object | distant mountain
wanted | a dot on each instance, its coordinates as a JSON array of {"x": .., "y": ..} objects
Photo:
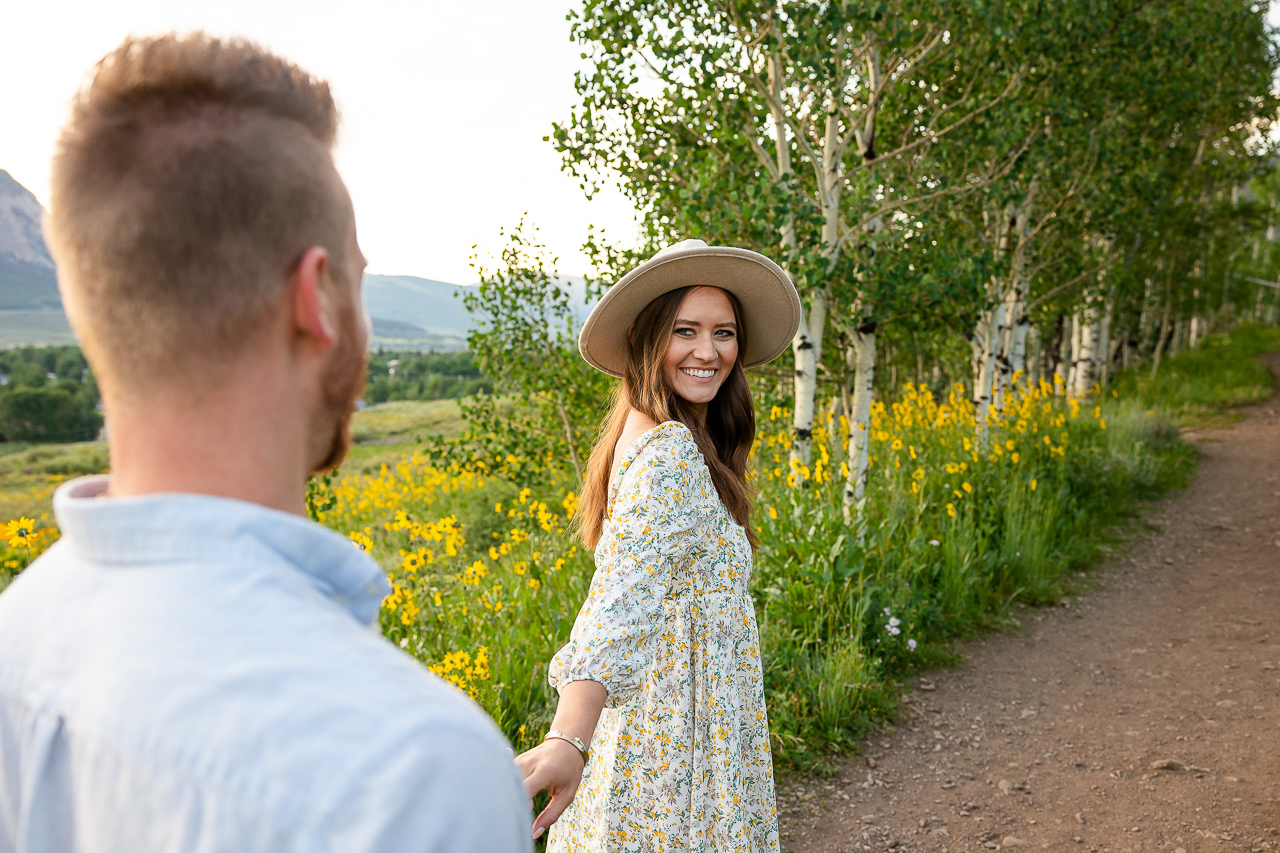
[
  {"x": 27, "y": 279},
  {"x": 435, "y": 307},
  {"x": 407, "y": 312},
  {"x": 432, "y": 306}
]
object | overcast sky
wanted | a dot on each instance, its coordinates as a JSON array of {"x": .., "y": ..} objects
[
  {"x": 445, "y": 106},
  {"x": 444, "y": 109}
]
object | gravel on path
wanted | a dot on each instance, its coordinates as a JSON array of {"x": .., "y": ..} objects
[{"x": 1142, "y": 715}]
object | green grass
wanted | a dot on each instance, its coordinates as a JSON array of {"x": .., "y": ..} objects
[
  {"x": 382, "y": 435},
  {"x": 1196, "y": 387},
  {"x": 30, "y": 472},
  {"x": 40, "y": 326}
]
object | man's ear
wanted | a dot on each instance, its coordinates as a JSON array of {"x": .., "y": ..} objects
[{"x": 312, "y": 307}]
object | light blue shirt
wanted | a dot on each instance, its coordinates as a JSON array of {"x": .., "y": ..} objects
[{"x": 191, "y": 673}]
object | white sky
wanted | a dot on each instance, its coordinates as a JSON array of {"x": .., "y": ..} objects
[{"x": 444, "y": 109}]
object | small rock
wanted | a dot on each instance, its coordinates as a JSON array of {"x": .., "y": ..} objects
[
  {"x": 1268, "y": 665},
  {"x": 871, "y": 762},
  {"x": 1012, "y": 841},
  {"x": 991, "y": 845},
  {"x": 1169, "y": 560},
  {"x": 1226, "y": 703},
  {"x": 1005, "y": 786},
  {"x": 1080, "y": 818},
  {"x": 1176, "y": 766},
  {"x": 1079, "y": 840},
  {"x": 926, "y": 684},
  {"x": 1027, "y": 712}
]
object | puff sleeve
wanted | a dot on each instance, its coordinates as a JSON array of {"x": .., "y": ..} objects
[{"x": 645, "y": 540}]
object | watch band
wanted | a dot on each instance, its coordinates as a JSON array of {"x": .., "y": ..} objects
[{"x": 576, "y": 743}]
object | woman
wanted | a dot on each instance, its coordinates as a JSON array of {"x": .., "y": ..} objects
[{"x": 661, "y": 683}]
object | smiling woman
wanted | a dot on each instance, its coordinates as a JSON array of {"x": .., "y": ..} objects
[{"x": 661, "y": 730}]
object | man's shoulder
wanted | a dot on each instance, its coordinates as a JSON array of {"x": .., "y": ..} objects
[
  {"x": 249, "y": 669},
  {"x": 269, "y": 697}
]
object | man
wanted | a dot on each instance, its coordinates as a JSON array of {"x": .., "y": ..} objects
[{"x": 192, "y": 667}]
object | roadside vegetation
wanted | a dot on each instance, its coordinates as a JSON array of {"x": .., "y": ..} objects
[
  {"x": 47, "y": 394},
  {"x": 412, "y": 375}
]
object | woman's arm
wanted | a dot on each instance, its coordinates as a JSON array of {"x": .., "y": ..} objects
[{"x": 556, "y": 765}]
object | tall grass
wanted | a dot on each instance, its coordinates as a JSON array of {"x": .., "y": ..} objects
[{"x": 1222, "y": 371}]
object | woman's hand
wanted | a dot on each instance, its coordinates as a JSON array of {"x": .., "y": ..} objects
[
  {"x": 551, "y": 765},
  {"x": 556, "y": 765}
]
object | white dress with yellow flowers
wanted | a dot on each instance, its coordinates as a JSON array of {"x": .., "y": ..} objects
[{"x": 680, "y": 759}]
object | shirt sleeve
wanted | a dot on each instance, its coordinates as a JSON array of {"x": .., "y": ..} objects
[
  {"x": 612, "y": 638},
  {"x": 455, "y": 790}
]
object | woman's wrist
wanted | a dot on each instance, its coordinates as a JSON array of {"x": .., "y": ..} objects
[
  {"x": 577, "y": 744},
  {"x": 578, "y": 711}
]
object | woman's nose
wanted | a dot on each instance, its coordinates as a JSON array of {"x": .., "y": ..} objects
[{"x": 706, "y": 349}]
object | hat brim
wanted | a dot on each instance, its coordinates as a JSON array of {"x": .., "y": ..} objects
[{"x": 770, "y": 304}]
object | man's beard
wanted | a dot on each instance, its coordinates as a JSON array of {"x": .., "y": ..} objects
[{"x": 341, "y": 385}]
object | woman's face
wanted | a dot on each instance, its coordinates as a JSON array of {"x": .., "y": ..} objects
[{"x": 704, "y": 345}]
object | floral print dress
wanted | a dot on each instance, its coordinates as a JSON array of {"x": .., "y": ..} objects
[{"x": 680, "y": 758}]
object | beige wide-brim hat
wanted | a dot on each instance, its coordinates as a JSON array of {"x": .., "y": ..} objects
[{"x": 770, "y": 304}]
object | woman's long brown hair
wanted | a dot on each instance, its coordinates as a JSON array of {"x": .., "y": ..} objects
[{"x": 724, "y": 436}]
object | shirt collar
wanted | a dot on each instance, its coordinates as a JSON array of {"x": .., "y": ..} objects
[{"x": 170, "y": 527}]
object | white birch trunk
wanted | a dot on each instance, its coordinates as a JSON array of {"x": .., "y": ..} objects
[
  {"x": 1146, "y": 317},
  {"x": 1194, "y": 342},
  {"x": 1034, "y": 348},
  {"x": 807, "y": 350},
  {"x": 1086, "y": 360},
  {"x": 1019, "y": 334},
  {"x": 985, "y": 367},
  {"x": 1086, "y": 356},
  {"x": 1011, "y": 340},
  {"x": 864, "y": 371},
  {"x": 1102, "y": 353},
  {"x": 1179, "y": 333},
  {"x": 1004, "y": 349},
  {"x": 1073, "y": 360}
]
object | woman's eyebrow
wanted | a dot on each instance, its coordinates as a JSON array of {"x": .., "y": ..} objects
[{"x": 729, "y": 325}]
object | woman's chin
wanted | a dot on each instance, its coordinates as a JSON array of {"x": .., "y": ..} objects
[{"x": 698, "y": 395}]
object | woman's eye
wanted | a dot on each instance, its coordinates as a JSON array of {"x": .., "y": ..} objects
[
  {"x": 726, "y": 334},
  {"x": 685, "y": 332}
]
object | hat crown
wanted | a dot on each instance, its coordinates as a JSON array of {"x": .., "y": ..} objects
[{"x": 692, "y": 243}]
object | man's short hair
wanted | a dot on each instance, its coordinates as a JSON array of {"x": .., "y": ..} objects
[{"x": 191, "y": 178}]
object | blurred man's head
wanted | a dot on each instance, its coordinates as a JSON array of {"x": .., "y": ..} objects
[{"x": 194, "y": 178}]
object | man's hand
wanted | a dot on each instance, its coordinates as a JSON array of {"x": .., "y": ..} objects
[{"x": 551, "y": 765}]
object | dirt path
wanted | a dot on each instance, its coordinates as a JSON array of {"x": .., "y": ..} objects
[{"x": 1047, "y": 738}]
